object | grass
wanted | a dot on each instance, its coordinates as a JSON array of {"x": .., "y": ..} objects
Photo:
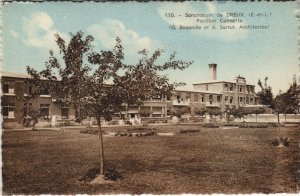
[{"x": 210, "y": 161}]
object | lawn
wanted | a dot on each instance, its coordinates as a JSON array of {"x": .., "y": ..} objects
[{"x": 209, "y": 161}]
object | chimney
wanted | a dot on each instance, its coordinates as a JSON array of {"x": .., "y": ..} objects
[{"x": 212, "y": 71}]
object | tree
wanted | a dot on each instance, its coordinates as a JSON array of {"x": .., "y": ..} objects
[
  {"x": 288, "y": 102},
  {"x": 235, "y": 112},
  {"x": 266, "y": 94},
  {"x": 34, "y": 115},
  {"x": 201, "y": 112},
  {"x": 110, "y": 86},
  {"x": 292, "y": 98},
  {"x": 214, "y": 112},
  {"x": 179, "y": 112},
  {"x": 66, "y": 82},
  {"x": 131, "y": 86}
]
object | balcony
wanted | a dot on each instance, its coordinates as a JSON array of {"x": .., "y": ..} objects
[
  {"x": 212, "y": 104},
  {"x": 181, "y": 103}
]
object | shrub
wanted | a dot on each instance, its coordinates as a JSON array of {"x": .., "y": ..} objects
[
  {"x": 280, "y": 141},
  {"x": 90, "y": 175},
  {"x": 112, "y": 174},
  {"x": 189, "y": 131},
  {"x": 230, "y": 124},
  {"x": 140, "y": 131},
  {"x": 260, "y": 125},
  {"x": 90, "y": 130},
  {"x": 151, "y": 121},
  {"x": 211, "y": 125}
]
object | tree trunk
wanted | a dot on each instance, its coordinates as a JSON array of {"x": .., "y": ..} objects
[
  {"x": 285, "y": 117},
  {"x": 33, "y": 125},
  {"x": 278, "y": 124},
  {"x": 101, "y": 147}
]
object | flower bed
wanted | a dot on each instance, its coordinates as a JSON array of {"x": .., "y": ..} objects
[
  {"x": 211, "y": 125},
  {"x": 260, "y": 125},
  {"x": 183, "y": 131},
  {"x": 138, "y": 132}
]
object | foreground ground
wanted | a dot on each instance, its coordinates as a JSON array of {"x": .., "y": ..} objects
[{"x": 209, "y": 161}]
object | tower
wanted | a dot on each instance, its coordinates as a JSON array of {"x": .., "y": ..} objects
[
  {"x": 298, "y": 77},
  {"x": 212, "y": 71}
]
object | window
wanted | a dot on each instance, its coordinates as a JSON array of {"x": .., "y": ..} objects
[
  {"x": 241, "y": 99},
  {"x": 226, "y": 99},
  {"x": 8, "y": 87},
  {"x": 210, "y": 99},
  {"x": 231, "y": 100},
  {"x": 251, "y": 100},
  {"x": 218, "y": 98},
  {"x": 195, "y": 97},
  {"x": 64, "y": 111},
  {"x": 202, "y": 99},
  {"x": 29, "y": 89},
  {"x": 207, "y": 87},
  {"x": 44, "y": 108},
  {"x": 226, "y": 87},
  {"x": 230, "y": 88},
  {"x": 44, "y": 92},
  {"x": 169, "y": 112},
  {"x": 241, "y": 89},
  {"x": 26, "y": 108},
  {"x": 168, "y": 97},
  {"x": 178, "y": 98},
  {"x": 188, "y": 97},
  {"x": 156, "y": 115},
  {"x": 8, "y": 110},
  {"x": 156, "y": 98}
]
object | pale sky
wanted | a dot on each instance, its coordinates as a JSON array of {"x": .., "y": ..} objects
[{"x": 28, "y": 30}]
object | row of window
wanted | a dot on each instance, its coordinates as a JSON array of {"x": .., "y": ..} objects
[
  {"x": 240, "y": 99},
  {"x": 197, "y": 98},
  {"x": 8, "y": 87},
  {"x": 8, "y": 110},
  {"x": 242, "y": 89}
]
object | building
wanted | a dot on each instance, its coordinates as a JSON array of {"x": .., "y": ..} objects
[
  {"x": 232, "y": 93},
  {"x": 216, "y": 94},
  {"x": 211, "y": 94},
  {"x": 14, "y": 107}
]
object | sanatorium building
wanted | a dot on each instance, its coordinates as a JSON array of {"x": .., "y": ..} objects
[{"x": 214, "y": 93}]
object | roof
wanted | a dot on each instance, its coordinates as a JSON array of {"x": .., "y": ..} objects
[
  {"x": 219, "y": 81},
  {"x": 13, "y": 75}
]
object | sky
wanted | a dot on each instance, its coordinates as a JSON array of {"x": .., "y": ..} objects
[{"x": 29, "y": 28}]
